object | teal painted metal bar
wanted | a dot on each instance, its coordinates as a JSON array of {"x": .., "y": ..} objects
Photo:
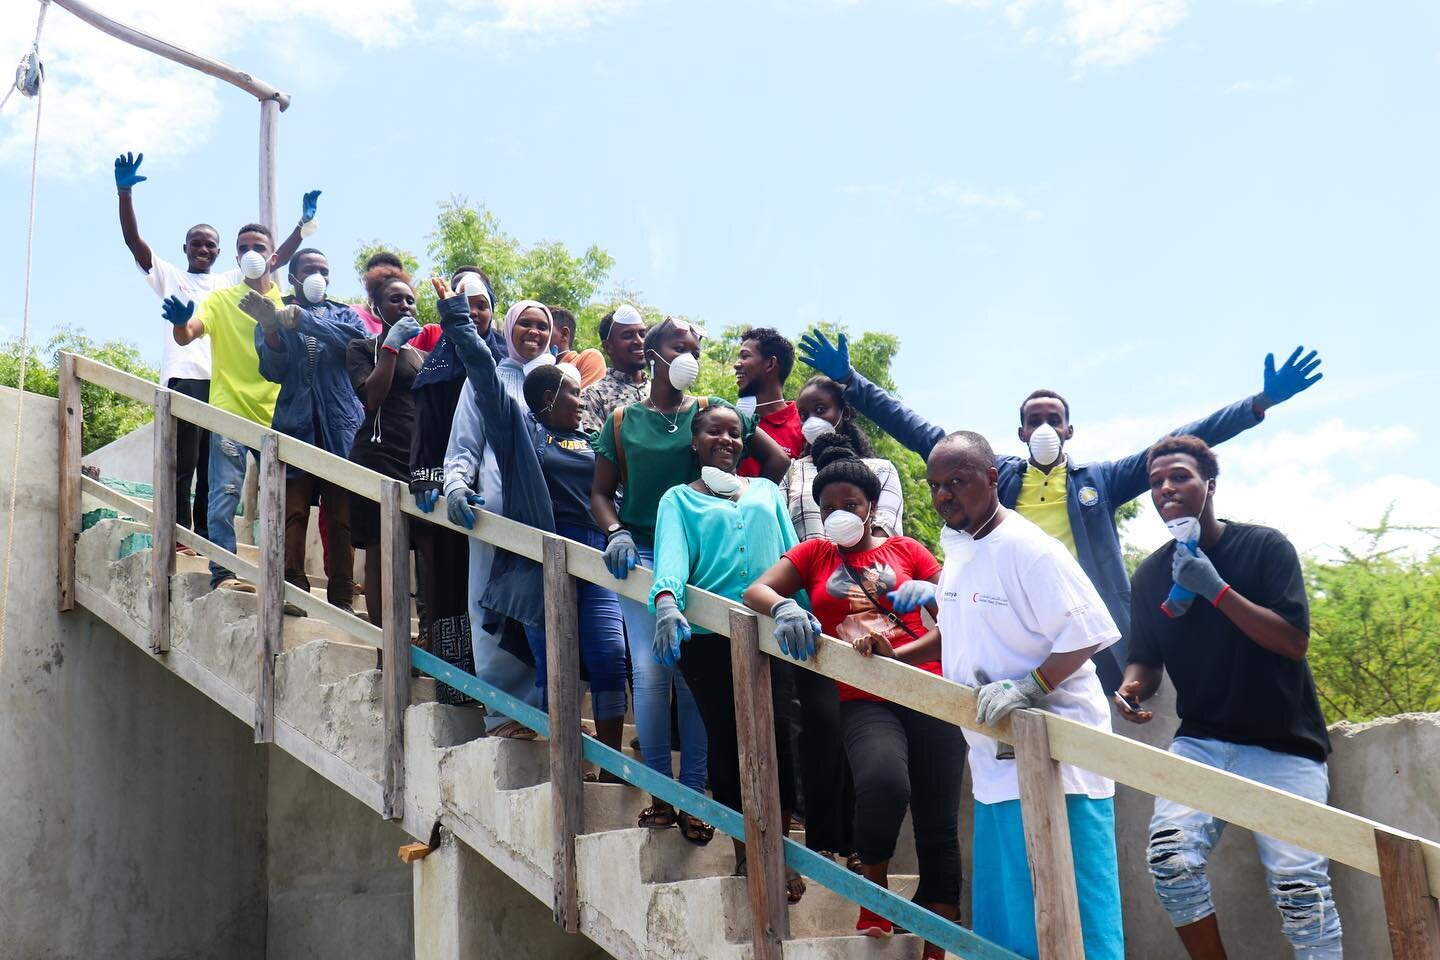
[{"x": 913, "y": 917}]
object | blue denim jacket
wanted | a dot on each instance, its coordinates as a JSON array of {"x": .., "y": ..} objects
[
  {"x": 1093, "y": 491},
  {"x": 315, "y": 387},
  {"x": 516, "y": 588}
]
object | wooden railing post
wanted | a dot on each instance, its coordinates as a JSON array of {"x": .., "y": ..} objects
[
  {"x": 68, "y": 483},
  {"x": 562, "y": 679},
  {"x": 759, "y": 787},
  {"x": 395, "y": 620},
  {"x": 1411, "y": 914},
  {"x": 1047, "y": 840},
  {"x": 270, "y": 617},
  {"x": 162, "y": 522}
]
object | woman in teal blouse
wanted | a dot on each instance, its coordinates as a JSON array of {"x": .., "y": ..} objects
[{"x": 719, "y": 534}]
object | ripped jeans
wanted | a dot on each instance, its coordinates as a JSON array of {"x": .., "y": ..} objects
[
  {"x": 1299, "y": 881},
  {"x": 227, "y": 480}
]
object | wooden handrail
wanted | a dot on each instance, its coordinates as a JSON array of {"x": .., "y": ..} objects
[{"x": 1337, "y": 834}]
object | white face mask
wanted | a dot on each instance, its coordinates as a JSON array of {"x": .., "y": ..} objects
[
  {"x": 816, "y": 427},
  {"x": 1187, "y": 529},
  {"x": 720, "y": 481},
  {"x": 747, "y": 405},
  {"x": 252, "y": 265},
  {"x": 314, "y": 287},
  {"x": 1045, "y": 445},
  {"x": 308, "y": 228},
  {"x": 958, "y": 545},
  {"x": 684, "y": 371},
  {"x": 844, "y": 528}
]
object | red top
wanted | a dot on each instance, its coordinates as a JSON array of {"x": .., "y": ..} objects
[
  {"x": 427, "y": 337},
  {"x": 783, "y": 426},
  {"x": 834, "y": 595}
]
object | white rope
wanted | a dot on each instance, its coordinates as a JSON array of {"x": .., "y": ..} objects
[{"x": 24, "y": 342}]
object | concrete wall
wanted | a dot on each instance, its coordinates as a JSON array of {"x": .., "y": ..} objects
[
  {"x": 139, "y": 819},
  {"x": 133, "y": 808}
]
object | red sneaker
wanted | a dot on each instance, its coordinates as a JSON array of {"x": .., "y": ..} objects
[{"x": 873, "y": 925}]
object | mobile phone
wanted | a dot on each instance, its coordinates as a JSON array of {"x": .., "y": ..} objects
[{"x": 1129, "y": 704}]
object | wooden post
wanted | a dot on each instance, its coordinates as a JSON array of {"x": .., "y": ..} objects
[
  {"x": 162, "y": 523},
  {"x": 269, "y": 197},
  {"x": 68, "y": 483},
  {"x": 1047, "y": 840},
  {"x": 562, "y": 677},
  {"x": 759, "y": 787},
  {"x": 1411, "y": 914},
  {"x": 395, "y": 620},
  {"x": 270, "y": 617}
]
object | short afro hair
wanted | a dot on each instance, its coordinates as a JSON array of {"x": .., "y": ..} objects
[
  {"x": 1192, "y": 447},
  {"x": 379, "y": 277},
  {"x": 1038, "y": 394},
  {"x": 773, "y": 346},
  {"x": 539, "y": 382},
  {"x": 259, "y": 228},
  {"x": 383, "y": 258},
  {"x": 562, "y": 318}
]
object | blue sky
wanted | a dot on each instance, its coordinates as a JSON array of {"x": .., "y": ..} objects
[{"x": 1130, "y": 201}]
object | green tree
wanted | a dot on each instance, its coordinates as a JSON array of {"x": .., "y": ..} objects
[
  {"x": 1375, "y": 630},
  {"x": 107, "y": 416}
]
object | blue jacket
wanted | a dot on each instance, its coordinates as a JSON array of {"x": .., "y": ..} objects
[
  {"x": 315, "y": 387},
  {"x": 517, "y": 587},
  {"x": 1093, "y": 492}
]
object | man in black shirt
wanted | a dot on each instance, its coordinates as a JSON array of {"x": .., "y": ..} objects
[{"x": 1244, "y": 694}]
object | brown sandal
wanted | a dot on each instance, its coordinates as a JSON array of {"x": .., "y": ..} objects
[
  {"x": 658, "y": 816},
  {"x": 694, "y": 829}
]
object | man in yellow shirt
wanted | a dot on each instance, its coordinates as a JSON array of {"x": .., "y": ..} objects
[{"x": 236, "y": 385}]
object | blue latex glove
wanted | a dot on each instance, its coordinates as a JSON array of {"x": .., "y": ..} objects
[
  {"x": 796, "y": 629},
  {"x": 176, "y": 312},
  {"x": 1193, "y": 570},
  {"x": 1290, "y": 379},
  {"x": 911, "y": 596},
  {"x": 127, "y": 171},
  {"x": 833, "y": 360},
  {"x": 426, "y": 495},
  {"x": 671, "y": 630},
  {"x": 621, "y": 556},
  {"x": 1177, "y": 601},
  {"x": 458, "y": 504},
  {"x": 402, "y": 332},
  {"x": 307, "y": 206},
  {"x": 995, "y": 701}
]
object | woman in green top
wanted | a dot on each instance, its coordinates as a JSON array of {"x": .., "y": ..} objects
[
  {"x": 719, "y": 533},
  {"x": 656, "y": 433}
]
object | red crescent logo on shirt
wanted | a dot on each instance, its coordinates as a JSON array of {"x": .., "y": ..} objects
[{"x": 975, "y": 597}]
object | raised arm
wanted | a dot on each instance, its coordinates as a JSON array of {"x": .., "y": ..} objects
[
  {"x": 375, "y": 386},
  {"x": 287, "y": 248},
  {"x": 184, "y": 324},
  {"x": 1129, "y": 478},
  {"x": 496, "y": 405},
  {"x": 890, "y": 505},
  {"x": 127, "y": 174},
  {"x": 892, "y": 416},
  {"x": 773, "y": 460}
]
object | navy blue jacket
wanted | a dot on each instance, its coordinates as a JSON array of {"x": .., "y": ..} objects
[
  {"x": 1093, "y": 491},
  {"x": 315, "y": 386},
  {"x": 517, "y": 587}
]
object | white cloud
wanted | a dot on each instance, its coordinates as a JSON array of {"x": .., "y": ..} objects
[
  {"x": 1293, "y": 480},
  {"x": 949, "y": 197},
  {"x": 1104, "y": 33},
  {"x": 103, "y": 95},
  {"x": 1256, "y": 86}
]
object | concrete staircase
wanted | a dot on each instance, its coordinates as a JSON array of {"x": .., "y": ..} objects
[{"x": 643, "y": 893}]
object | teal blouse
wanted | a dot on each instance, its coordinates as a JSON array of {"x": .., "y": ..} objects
[{"x": 716, "y": 544}]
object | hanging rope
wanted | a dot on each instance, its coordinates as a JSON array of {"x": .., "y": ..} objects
[{"x": 29, "y": 77}]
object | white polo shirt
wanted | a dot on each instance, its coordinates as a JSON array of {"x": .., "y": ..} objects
[{"x": 1020, "y": 599}]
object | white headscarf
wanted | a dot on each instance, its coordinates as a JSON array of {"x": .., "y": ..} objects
[{"x": 512, "y": 316}]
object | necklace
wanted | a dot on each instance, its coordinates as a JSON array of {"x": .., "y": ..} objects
[{"x": 673, "y": 421}]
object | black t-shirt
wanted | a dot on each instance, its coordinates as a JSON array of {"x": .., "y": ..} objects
[
  {"x": 384, "y": 446},
  {"x": 1227, "y": 686}
]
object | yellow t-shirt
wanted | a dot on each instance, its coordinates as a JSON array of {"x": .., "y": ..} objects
[
  {"x": 236, "y": 385},
  {"x": 1043, "y": 501}
]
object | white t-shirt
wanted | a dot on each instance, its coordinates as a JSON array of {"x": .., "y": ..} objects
[
  {"x": 1020, "y": 599},
  {"x": 192, "y": 361}
]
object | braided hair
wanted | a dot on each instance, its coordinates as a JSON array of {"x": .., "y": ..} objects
[{"x": 836, "y": 462}]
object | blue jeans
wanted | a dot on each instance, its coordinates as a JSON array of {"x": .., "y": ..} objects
[
  {"x": 652, "y": 680},
  {"x": 227, "y": 480},
  {"x": 1181, "y": 840},
  {"x": 602, "y": 637}
]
